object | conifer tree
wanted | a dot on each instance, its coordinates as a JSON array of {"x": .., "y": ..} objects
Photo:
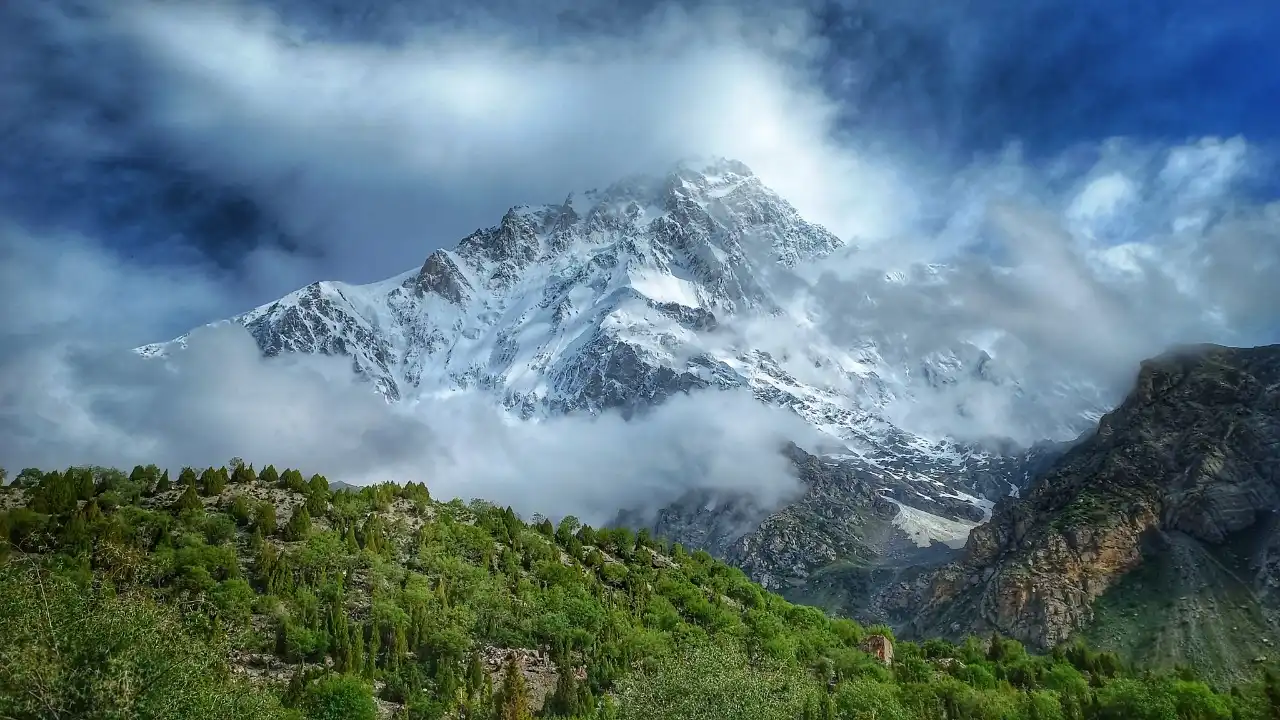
[
  {"x": 75, "y": 533},
  {"x": 242, "y": 474},
  {"x": 188, "y": 500},
  {"x": 318, "y": 485},
  {"x": 587, "y": 700},
  {"x": 299, "y": 524},
  {"x": 475, "y": 673},
  {"x": 211, "y": 482},
  {"x": 297, "y": 682},
  {"x": 371, "y": 534},
  {"x": 292, "y": 480},
  {"x": 187, "y": 477},
  {"x": 513, "y": 698},
  {"x": 264, "y": 519},
  {"x": 826, "y": 707},
  {"x": 484, "y": 707},
  {"x": 84, "y": 482},
  {"x": 568, "y": 526},
  {"x": 346, "y": 655},
  {"x": 564, "y": 700},
  {"x": 270, "y": 570},
  {"x": 240, "y": 510},
  {"x": 269, "y": 475},
  {"x": 371, "y": 653},
  {"x": 446, "y": 678},
  {"x": 162, "y": 485},
  {"x": 317, "y": 500},
  {"x": 356, "y": 643}
]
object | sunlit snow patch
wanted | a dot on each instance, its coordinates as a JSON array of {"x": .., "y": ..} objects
[
  {"x": 924, "y": 528},
  {"x": 664, "y": 288}
]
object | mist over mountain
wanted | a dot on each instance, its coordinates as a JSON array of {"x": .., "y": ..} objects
[{"x": 939, "y": 245}]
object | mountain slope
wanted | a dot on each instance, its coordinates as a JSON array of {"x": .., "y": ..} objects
[
  {"x": 387, "y": 603},
  {"x": 1164, "y": 514},
  {"x": 616, "y": 300}
]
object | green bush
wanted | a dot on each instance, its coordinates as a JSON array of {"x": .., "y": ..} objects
[
  {"x": 74, "y": 652},
  {"x": 339, "y": 697}
]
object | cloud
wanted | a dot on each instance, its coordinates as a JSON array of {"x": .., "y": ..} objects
[
  {"x": 1068, "y": 274},
  {"x": 69, "y": 396},
  {"x": 65, "y": 286},
  {"x": 368, "y": 156}
]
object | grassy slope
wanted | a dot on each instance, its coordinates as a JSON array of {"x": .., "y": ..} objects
[{"x": 1187, "y": 605}]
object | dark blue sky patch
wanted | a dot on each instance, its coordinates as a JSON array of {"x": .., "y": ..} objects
[{"x": 1052, "y": 73}]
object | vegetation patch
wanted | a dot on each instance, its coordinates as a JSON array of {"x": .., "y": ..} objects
[
  {"x": 229, "y": 592},
  {"x": 1186, "y": 607}
]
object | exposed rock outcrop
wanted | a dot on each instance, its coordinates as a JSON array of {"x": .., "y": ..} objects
[
  {"x": 440, "y": 275},
  {"x": 1193, "y": 451},
  {"x": 879, "y": 647}
]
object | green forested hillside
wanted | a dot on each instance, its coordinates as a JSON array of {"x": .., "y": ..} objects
[{"x": 235, "y": 593}]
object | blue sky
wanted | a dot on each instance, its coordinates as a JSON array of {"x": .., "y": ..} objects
[{"x": 1053, "y": 74}]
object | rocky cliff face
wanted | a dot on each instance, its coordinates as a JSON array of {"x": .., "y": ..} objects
[
  {"x": 853, "y": 514},
  {"x": 1191, "y": 458}
]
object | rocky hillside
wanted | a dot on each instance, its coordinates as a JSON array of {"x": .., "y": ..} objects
[
  {"x": 857, "y": 528},
  {"x": 1155, "y": 533}
]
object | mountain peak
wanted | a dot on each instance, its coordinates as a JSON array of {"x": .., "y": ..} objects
[
  {"x": 686, "y": 178},
  {"x": 714, "y": 167}
]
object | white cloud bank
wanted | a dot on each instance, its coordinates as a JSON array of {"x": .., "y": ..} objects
[
  {"x": 1069, "y": 275},
  {"x": 69, "y": 395}
]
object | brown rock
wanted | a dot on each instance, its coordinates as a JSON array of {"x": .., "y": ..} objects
[{"x": 1194, "y": 450}]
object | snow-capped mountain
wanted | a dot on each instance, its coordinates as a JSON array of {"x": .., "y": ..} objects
[
  {"x": 604, "y": 301},
  {"x": 620, "y": 298}
]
